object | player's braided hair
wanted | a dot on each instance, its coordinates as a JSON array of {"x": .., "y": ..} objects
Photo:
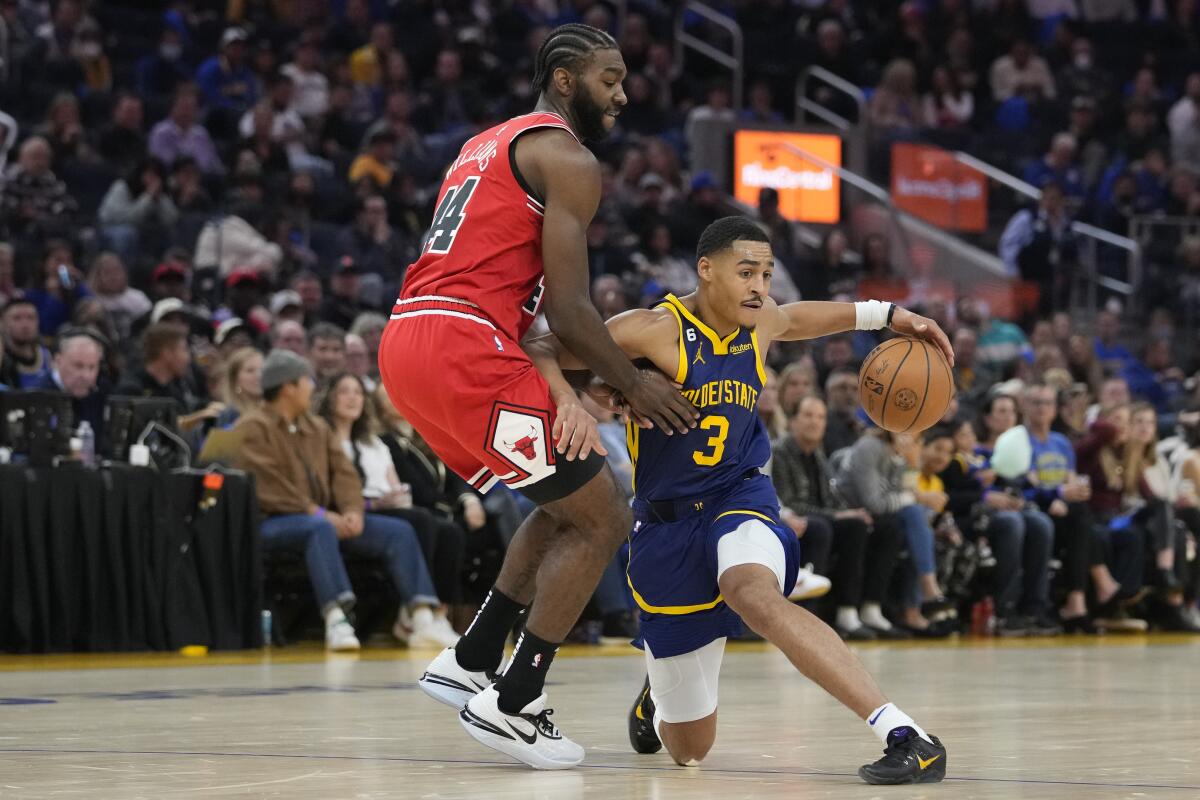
[{"x": 567, "y": 46}]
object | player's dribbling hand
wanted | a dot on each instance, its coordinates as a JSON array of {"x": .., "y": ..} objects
[
  {"x": 910, "y": 324},
  {"x": 576, "y": 433},
  {"x": 657, "y": 399}
]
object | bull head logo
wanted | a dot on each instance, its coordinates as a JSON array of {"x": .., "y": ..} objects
[{"x": 524, "y": 445}]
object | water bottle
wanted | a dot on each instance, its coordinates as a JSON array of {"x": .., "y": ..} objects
[
  {"x": 266, "y": 627},
  {"x": 87, "y": 442}
]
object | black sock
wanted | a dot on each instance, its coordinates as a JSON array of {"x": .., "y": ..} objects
[
  {"x": 481, "y": 648},
  {"x": 525, "y": 676}
]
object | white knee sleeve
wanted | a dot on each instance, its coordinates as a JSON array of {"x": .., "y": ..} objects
[
  {"x": 684, "y": 687},
  {"x": 752, "y": 542}
]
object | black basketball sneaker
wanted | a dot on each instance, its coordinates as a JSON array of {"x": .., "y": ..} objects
[
  {"x": 907, "y": 759},
  {"x": 642, "y": 737}
]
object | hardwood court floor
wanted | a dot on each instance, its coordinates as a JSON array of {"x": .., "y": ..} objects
[{"x": 1066, "y": 718}]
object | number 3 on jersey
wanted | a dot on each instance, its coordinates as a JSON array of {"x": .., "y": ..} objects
[
  {"x": 716, "y": 442},
  {"x": 450, "y": 215}
]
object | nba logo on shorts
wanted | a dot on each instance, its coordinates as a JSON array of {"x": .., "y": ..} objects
[{"x": 537, "y": 660}]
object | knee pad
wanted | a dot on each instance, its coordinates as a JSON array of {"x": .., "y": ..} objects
[
  {"x": 752, "y": 542},
  {"x": 684, "y": 687}
]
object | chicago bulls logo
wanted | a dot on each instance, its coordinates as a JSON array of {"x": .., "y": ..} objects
[{"x": 524, "y": 445}]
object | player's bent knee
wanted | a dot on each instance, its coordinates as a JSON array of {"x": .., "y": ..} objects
[{"x": 690, "y": 742}]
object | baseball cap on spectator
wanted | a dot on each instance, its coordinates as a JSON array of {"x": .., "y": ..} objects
[
  {"x": 229, "y": 327},
  {"x": 284, "y": 299},
  {"x": 169, "y": 270},
  {"x": 166, "y": 307},
  {"x": 703, "y": 180},
  {"x": 240, "y": 277},
  {"x": 283, "y": 366},
  {"x": 346, "y": 265},
  {"x": 381, "y": 136},
  {"x": 232, "y": 35}
]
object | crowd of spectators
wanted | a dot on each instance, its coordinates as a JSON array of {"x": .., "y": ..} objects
[{"x": 190, "y": 187}]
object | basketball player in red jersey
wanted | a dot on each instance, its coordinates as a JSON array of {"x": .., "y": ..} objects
[{"x": 509, "y": 233}]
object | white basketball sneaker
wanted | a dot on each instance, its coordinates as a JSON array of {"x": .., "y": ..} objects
[
  {"x": 529, "y": 736},
  {"x": 445, "y": 681},
  {"x": 809, "y": 585},
  {"x": 339, "y": 636}
]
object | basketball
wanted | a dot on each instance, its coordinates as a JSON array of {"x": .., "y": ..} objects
[{"x": 905, "y": 385}]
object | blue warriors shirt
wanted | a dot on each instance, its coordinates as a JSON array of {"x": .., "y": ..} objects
[{"x": 722, "y": 379}]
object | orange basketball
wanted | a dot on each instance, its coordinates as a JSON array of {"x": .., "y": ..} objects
[{"x": 905, "y": 385}]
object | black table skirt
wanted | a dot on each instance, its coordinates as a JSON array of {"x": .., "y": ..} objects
[{"x": 123, "y": 558}]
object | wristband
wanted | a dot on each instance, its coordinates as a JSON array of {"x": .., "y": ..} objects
[
  {"x": 871, "y": 315},
  {"x": 891, "y": 313}
]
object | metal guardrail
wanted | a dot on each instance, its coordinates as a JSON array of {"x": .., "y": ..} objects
[
  {"x": 731, "y": 61},
  {"x": 844, "y": 86},
  {"x": 1094, "y": 236},
  {"x": 906, "y": 222}
]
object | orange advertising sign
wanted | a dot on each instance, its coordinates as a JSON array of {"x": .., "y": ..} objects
[
  {"x": 929, "y": 183},
  {"x": 808, "y": 192}
]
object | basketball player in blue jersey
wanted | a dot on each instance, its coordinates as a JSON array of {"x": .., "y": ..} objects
[{"x": 707, "y": 550}]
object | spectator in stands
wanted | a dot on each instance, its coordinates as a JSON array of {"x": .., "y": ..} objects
[
  {"x": 312, "y": 499},
  {"x": 311, "y": 85},
  {"x": 947, "y": 106},
  {"x": 308, "y": 286},
  {"x": 327, "y": 349},
  {"x": 1021, "y": 73},
  {"x": 281, "y": 123},
  {"x": 860, "y": 574},
  {"x": 180, "y": 134},
  {"x": 1073, "y": 403},
  {"x": 1083, "y": 77},
  {"x": 288, "y": 334},
  {"x": 358, "y": 361},
  {"x": 367, "y": 63},
  {"x": 1021, "y": 538},
  {"x": 829, "y": 271},
  {"x": 1183, "y": 113},
  {"x": 78, "y": 356},
  {"x": 1112, "y": 354},
  {"x": 226, "y": 80},
  {"x": 286, "y": 304},
  {"x": 159, "y": 74},
  {"x": 343, "y": 303},
  {"x": 259, "y": 152},
  {"x": 998, "y": 414},
  {"x": 8, "y": 283},
  {"x": 874, "y": 477},
  {"x": 241, "y": 385},
  {"x": 376, "y": 163},
  {"x": 122, "y": 142},
  {"x": 971, "y": 378},
  {"x": 880, "y": 279},
  {"x": 409, "y": 150},
  {"x": 166, "y": 363},
  {"x": 1038, "y": 245},
  {"x": 1185, "y": 144},
  {"x": 702, "y": 207},
  {"x": 63, "y": 129},
  {"x": 187, "y": 188},
  {"x": 373, "y": 244},
  {"x": 369, "y": 325},
  {"x": 797, "y": 381},
  {"x": 768, "y": 407},
  {"x": 345, "y": 406},
  {"x": 895, "y": 107},
  {"x": 26, "y": 361},
  {"x": 716, "y": 108},
  {"x": 234, "y": 241},
  {"x": 137, "y": 211},
  {"x": 833, "y": 53},
  {"x": 56, "y": 286},
  {"x": 1058, "y": 166},
  {"x": 843, "y": 424},
  {"x": 35, "y": 202},
  {"x": 110, "y": 281},
  {"x": 1140, "y": 135},
  {"x": 448, "y": 102},
  {"x": 660, "y": 265}
]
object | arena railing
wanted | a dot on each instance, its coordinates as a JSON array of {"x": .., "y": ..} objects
[{"x": 733, "y": 61}]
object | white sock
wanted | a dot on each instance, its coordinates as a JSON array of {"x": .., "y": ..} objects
[
  {"x": 872, "y": 615},
  {"x": 887, "y": 718},
  {"x": 847, "y": 618},
  {"x": 334, "y": 615},
  {"x": 422, "y": 617},
  {"x": 656, "y": 722}
]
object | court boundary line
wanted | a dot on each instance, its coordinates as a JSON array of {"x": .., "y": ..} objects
[{"x": 614, "y": 767}]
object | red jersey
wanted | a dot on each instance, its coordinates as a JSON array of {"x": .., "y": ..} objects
[{"x": 485, "y": 243}]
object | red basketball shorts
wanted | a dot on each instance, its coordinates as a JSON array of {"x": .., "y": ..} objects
[{"x": 476, "y": 398}]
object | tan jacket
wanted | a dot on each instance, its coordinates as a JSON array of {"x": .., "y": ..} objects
[{"x": 296, "y": 466}]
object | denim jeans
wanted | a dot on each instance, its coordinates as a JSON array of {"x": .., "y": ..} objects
[
  {"x": 394, "y": 541},
  {"x": 316, "y": 537},
  {"x": 913, "y": 522},
  {"x": 1021, "y": 542}
]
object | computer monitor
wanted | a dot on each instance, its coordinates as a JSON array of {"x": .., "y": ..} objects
[
  {"x": 37, "y": 425},
  {"x": 126, "y": 417}
]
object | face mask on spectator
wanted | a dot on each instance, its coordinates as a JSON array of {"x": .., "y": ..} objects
[{"x": 170, "y": 52}]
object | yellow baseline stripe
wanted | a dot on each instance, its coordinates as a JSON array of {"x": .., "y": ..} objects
[
  {"x": 671, "y": 610},
  {"x": 751, "y": 513}
]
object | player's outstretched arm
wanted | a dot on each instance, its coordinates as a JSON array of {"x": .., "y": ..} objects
[
  {"x": 811, "y": 319},
  {"x": 570, "y": 178},
  {"x": 575, "y": 432}
]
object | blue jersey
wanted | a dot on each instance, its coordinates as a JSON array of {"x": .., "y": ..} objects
[{"x": 722, "y": 379}]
